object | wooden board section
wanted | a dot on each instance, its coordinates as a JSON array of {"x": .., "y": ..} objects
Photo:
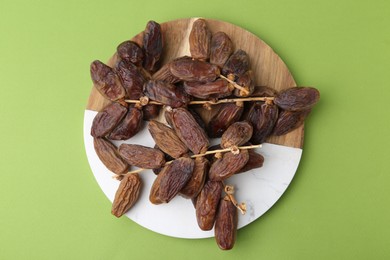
[{"x": 268, "y": 68}]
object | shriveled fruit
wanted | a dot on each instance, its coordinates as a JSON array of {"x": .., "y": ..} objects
[
  {"x": 226, "y": 224},
  {"x": 194, "y": 70},
  {"x": 108, "y": 154},
  {"x": 166, "y": 93},
  {"x": 228, "y": 165},
  {"x": 153, "y": 45},
  {"x": 130, "y": 52},
  {"x": 226, "y": 115},
  {"x": 237, "y": 134},
  {"x": 255, "y": 160},
  {"x": 207, "y": 204},
  {"x": 219, "y": 88},
  {"x": 106, "y": 81},
  {"x": 263, "y": 117},
  {"x": 167, "y": 139},
  {"x": 195, "y": 184},
  {"x": 289, "y": 120},
  {"x": 107, "y": 119},
  {"x": 297, "y": 98},
  {"x": 127, "y": 194},
  {"x": 237, "y": 64},
  {"x": 199, "y": 40},
  {"x": 142, "y": 156},
  {"x": 221, "y": 49},
  {"x": 129, "y": 126},
  {"x": 132, "y": 79}
]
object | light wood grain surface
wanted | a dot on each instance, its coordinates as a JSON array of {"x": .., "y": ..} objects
[{"x": 268, "y": 68}]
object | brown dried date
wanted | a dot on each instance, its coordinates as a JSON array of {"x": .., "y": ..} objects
[
  {"x": 130, "y": 52},
  {"x": 154, "y": 197},
  {"x": 150, "y": 111},
  {"x": 129, "y": 126},
  {"x": 207, "y": 204},
  {"x": 141, "y": 156},
  {"x": 195, "y": 184},
  {"x": 167, "y": 139},
  {"x": 226, "y": 115},
  {"x": 226, "y": 224},
  {"x": 237, "y": 134},
  {"x": 174, "y": 177},
  {"x": 106, "y": 81},
  {"x": 255, "y": 160},
  {"x": 221, "y": 49},
  {"x": 219, "y": 88},
  {"x": 199, "y": 40},
  {"x": 131, "y": 77},
  {"x": 263, "y": 117},
  {"x": 297, "y": 98},
  {"x": 108, "y": 154},
  {"x": 127, "y": 194},
  {"x": 248, "y": 82},
  {"x": 107, "y": 119},
  {"x": 194, "y": 70},
  {"x": 153, "y": 45},
  {"x": 166, "y": 93},
  {"x": 237, "y": 64},
  {"x": 189, "y": 131},
  {"x": 289, "y": 120},
  {"x": 228, "y": 165}
]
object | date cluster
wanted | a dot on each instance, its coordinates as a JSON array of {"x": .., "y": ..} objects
[{"x": 182, "y": 157}]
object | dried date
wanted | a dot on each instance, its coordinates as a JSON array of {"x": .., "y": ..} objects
[
  {"x": 228, "y": 165},
  {"x": 263, "y": 117},
  {"x": 206, "y": 205},
  {"x": 237, "y": 134},
  {"x": 221, "y": 49},
  {"x": 248, "y": 82},
  {"x": 130, "y": 52},
  {"x": 189, "y": 131},
  {"x": 219, "y": 88},
  {"x": 194, "y": 70},
  {"x": 141, "y": 156},
  {"x": 127, "y": 194},
  {"x": 297, "y": 98},
  {"x": 150, "y": 111},
  {"x": 106, "y": 81},
  {"x": 153, "y": 45},
  {"x": 166, "y": 93},
  {"x": 129, "y": 126},
  {"x": 167, "y": 139},
  {"x": 174, "y": 177},
  {"x": 107, "y": 119},
  {"x": 226, "y": 224},
  {"x": 195, "y": 184},
  {"x": 109, "y": 156},
  {"x": 255, "y": 160},
  {"x": 226, "y": 115},
  {"x": 289, "y": 120},
  {"x": 132, "y": 79},
  {"x": 237, "y": 64},
  {"x": 199, "y": 40}
]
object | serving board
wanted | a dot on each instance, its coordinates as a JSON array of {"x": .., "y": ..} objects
[{"x": 260, "y": 188}]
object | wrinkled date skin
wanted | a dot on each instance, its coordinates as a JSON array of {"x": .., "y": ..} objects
[
  {"x": 228, "y": 165},
  {"x": 166, "y": 93},
  {"x": 189, "y": 131},
  {"x": 226, "y": 221},
  {"x": 127, "y": 194},
  {"x": 194, "y": 70},
  {"x": 237, "y": 64},
  {"x": 154, "y": 194},
  {"x": 263, "y": 117},
  {"x": 255, "y": 160},
  {"x": 221, "y": 49},
  {"x": 226, "y": 115},
  {"x": 108, "y": 154},
  {"x": 248, "y": 82},
  {"x": 129, "y": 126},
  {"x": 167, "y": 139},
  {"x": 219, "y": 88},
  {"x": 130, "y": 52},
  {"x": 150, "y": 111},
  {"x": 206, "y": 205},
  {"x": 199, "y": 40},
  {"x": 237, "y": 134},
  {"x": 153, "y": 45},
  {"x": 195, "y": 184},
  {"x": 174, "y": 178},
  {"x": 131, "y": 78},
  {"x": 297, "y": 98},
  {"x": 106, "y": 81},
  {"x": 141, "y": 156},
  {"x": 107, "y": 119},
  {"x": 164, "y": 73},
  {"x": 289, "y": 120}
]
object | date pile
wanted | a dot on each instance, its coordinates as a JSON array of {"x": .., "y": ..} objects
[{"x": 182, "y": 158}]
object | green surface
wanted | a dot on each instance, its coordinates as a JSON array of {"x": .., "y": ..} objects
[{"x": 337, "y": 206}]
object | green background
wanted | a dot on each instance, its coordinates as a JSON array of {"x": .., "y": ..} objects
[{"x": 337, "y": 206}]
